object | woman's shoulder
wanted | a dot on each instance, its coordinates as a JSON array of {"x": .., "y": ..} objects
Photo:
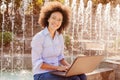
[
  {"x": 60, "y": 35},
  {"x": 39, "y": 35},
  {"x": 37, "y": 39}
]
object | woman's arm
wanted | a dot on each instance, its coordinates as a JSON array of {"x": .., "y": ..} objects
[
  {"x": 64, "y": 63},
  {"x": 51, "y": 67}
]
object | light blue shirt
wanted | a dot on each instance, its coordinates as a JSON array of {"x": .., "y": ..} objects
[{"x": 45, "y": 49}]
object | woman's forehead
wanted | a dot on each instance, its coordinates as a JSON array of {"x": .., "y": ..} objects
[{"x": 57, "y": 14}]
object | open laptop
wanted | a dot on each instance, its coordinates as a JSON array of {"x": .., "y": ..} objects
[{"x": 80, "y": 65}]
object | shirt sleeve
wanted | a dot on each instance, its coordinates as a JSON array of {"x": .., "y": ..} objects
[
  {"x": 36, "y": 50},
  {"x": 61, "y": 56}
]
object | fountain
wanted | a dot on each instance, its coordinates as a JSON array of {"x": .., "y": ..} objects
[
  {"x": 95, "y": 31},
  {"x": 12, "y": 63}
]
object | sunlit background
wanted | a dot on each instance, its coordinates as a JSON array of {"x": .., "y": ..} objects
[{"x": 94, "y": 30}]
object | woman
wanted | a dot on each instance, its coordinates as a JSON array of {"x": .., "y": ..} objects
[{"x": 48, "y": 44}]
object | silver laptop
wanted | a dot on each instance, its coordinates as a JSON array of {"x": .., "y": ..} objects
[{"x": 80, "y": 65}]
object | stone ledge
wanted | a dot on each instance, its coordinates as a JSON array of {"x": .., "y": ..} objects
[
  {"x": 114, "y": 64},
  {"x": 101, "y": 74}
]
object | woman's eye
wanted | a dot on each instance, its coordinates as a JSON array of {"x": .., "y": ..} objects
[
  {"x": 53, "y": 18},
  {"x": 59, "y": 20}
]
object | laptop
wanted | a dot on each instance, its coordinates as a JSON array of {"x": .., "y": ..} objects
[{"x": 80, "y": 65}]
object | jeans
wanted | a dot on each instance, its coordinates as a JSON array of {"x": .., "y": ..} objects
[{"x": 49, "y": 76}]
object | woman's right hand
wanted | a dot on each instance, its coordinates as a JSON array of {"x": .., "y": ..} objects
[{"x": 62, "y": 68}]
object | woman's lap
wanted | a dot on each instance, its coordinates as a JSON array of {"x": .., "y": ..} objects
[
  {"x": 49, "y": 76},
  {"x": 82, "y": 77}
]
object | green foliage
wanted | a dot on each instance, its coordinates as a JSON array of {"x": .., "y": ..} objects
[
  {"x": 39, "y": 2},
  {"x": 116, "y": 43},
  {"x": 62, "y": 1},
  {"x": 67, "y": 41},
  {"x": 7, "y": 38}
]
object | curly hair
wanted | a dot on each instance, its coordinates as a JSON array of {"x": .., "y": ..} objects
[{"x": 51, "y": 7}]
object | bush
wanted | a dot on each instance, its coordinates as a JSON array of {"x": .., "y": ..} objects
[
  {"x": 7, "y": 38},
  {"x": 67, "y": 41}
]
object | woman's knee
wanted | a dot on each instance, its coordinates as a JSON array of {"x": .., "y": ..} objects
[
  {"x": 48, "y": 76},
  {"x": 38, "y": 77},
  {"x": 74, "y": 78},
  {"x": 83, "y": 77}
]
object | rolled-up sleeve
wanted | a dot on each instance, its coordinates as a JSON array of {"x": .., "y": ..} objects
[{"x": 36, "y": 50}]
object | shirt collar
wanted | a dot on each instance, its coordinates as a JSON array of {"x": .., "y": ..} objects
[{"x": 46, "y": 31}]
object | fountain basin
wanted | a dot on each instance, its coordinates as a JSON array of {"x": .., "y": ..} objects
[
  {"x": 18, "y": 61},
  {"x": 17, "y": 75}
]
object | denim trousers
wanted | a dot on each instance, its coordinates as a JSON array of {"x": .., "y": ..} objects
[{"x": 49, "y": 76}]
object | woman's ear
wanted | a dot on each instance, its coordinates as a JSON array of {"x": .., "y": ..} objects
[{"x": 48, "y": 20}]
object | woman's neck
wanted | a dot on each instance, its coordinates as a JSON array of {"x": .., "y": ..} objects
[{"x": 52, "y": 32}]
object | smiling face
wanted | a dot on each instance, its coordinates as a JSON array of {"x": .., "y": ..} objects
[{"x": 55, "y": 21}]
